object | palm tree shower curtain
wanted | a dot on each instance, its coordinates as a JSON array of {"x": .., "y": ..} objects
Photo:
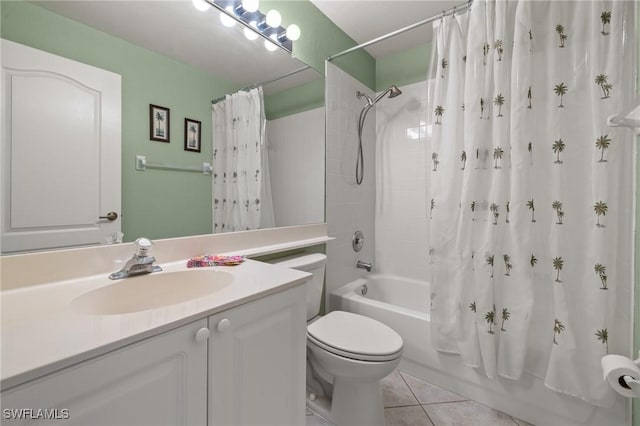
[
  {"x": 241, "y": 190},
  {"x": 531, "y": 215}
]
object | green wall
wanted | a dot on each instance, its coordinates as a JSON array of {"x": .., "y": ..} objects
[
  {"x": 297, "y": 99},
  {"x": 157, "y": 204},
  {"x": 321, "y": 39},
  {"x": 402, "y": 68}
]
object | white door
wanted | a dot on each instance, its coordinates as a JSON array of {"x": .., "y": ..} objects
[
  {"x": 60, "y": 151},
  {"x": 160, "y": 381}
]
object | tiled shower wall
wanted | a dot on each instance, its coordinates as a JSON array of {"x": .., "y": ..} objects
[
  {"x": 401, "y": 211},
  {"x": 390, "y": 206},
  {"x": 296, "y": 166},
  {"x": 349, "y": 207}
]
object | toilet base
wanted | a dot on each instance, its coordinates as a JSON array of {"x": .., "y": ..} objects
[
  {"x": 350, "y": 388},
  {"x": 321, "y": 405},
  {"x": 354, "y": 397},
  {"x": 356, "y": 403},
  {"x": 352, "y": 404}
]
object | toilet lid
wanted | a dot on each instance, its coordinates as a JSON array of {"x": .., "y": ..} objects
[{"x": 355, "y": 336}]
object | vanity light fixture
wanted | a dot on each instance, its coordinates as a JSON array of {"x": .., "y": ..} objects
[
  {"x": 293, "y": 32},
  {"x": 250, "y": 5},
  {"x": 201, "y": 5},
  {"x": 270, "y": 45},
  {"x": 257, "y": 24},
  {"x": 251, "y": 34},
  {"x": 226, "y": 18},
  {"x": 273, "y": 18}
]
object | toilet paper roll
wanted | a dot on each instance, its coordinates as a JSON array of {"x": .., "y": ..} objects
[{"x": 615, "y": 367}]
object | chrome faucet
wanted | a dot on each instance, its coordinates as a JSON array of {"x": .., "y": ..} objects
[
  {"x": 140, "y": 263},
  {"x": 364, "y": 265}
]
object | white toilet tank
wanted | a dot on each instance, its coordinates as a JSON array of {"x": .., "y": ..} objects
[{"x": 315, "y": 264}]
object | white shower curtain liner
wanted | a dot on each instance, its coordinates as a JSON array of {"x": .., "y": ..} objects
[
  {"x": 531, "y": 214},
  {"x": 241, "y": 187}
]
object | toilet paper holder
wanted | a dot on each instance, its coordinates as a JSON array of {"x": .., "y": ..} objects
[{"x": 628, "y": 383}]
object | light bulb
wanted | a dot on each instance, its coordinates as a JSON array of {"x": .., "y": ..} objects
[
  {"x": 201, "y": 5},
  {"x": 250, "y": 5},
  {"x": 251, "y": 35},
  {"x": 273, "y": 18},
  {"x": 227, "y": 20},
  {"x": 293, "y": 32},
  {"x": 270, "y": 46}
]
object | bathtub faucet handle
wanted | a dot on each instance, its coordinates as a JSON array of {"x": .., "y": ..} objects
[{"x": 364, "y": 265}]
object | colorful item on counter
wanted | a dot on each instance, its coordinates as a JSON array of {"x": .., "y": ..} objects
[{"x": 214, "y": 260}]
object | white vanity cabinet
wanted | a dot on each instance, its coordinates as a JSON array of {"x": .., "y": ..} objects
[
  {"x": 242, "y": 366},
  {"x": 257, "y": 362},
  {"x": 158, "y": 381}
]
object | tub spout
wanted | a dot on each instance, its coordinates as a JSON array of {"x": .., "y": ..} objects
[{"x": 364, "y": 265}]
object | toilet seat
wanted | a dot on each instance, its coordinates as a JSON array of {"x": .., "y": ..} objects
[{"x": 355, "y": 336}]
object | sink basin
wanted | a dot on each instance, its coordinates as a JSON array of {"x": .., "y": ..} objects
[{"x": 150, "y": 291}]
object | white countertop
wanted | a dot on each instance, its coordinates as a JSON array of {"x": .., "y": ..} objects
[
  {"x": 40, "y": 333},
  {"x": 278, "y": 248}
]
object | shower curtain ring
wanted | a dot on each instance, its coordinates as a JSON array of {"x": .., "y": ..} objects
[{"x": 443, "y": 15}]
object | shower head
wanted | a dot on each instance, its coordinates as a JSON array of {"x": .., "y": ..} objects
[{"x": 393, "y": 91}]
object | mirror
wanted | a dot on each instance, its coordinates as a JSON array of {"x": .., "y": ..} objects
[{"x": 172, "y": 55}]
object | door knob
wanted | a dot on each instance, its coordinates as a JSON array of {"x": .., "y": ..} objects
[
  {"x": 223, "y": 325},
  {"x": 202, "y": 335},
  {"x": 110, "y": 216}
]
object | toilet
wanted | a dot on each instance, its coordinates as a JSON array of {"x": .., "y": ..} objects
[{"x": 347, "y": 355}]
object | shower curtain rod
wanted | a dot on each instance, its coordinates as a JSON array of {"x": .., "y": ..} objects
[
  {"x": 444, "y": 13},
  {"x": 263, "y": 83}
]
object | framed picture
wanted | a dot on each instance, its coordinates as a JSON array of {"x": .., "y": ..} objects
[
  {"x": 192, "y": 135},
  {"x": 158, "y": 123}
]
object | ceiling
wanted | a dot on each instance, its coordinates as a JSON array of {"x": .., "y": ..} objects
[
  {"x": 365, "y": 20},
  {"x": 176, "y": 29}
]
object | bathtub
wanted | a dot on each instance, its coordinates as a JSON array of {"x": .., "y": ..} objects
[{"x": 403, "y": 304}]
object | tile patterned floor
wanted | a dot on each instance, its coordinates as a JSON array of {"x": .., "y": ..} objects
[{"x": 409, "y": 401}]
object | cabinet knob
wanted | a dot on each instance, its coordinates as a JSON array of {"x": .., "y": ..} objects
[
  {"x": 202, "y": 335},
  {"x": 223, "y": 325}
]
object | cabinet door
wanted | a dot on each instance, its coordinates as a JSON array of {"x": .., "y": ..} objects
[
  {"x": 159, "y": 381},
  {"x": 257, "y": 362}
]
